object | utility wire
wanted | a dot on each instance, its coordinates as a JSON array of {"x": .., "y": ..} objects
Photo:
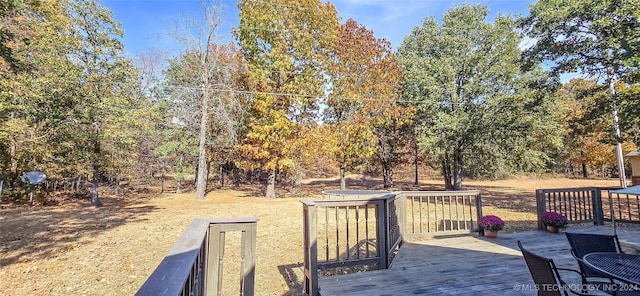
[{"x": 400, "y": 100}]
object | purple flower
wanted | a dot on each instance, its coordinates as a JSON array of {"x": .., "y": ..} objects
[
  {"x": 491, "y": 222},
  {"x": 554, "y": 219}
]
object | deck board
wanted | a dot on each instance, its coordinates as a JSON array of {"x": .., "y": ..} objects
[{"x": 464, "y": 265}]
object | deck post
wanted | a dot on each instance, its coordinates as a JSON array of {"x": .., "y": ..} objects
[
  {"x": 402, "y": 213},
  {"x": 214, "y": 260},
  {"x": 217, "y": 233},
  {"x": 382, "y": 213},
  {"x": 479, "y": 212},
  {"x": 193, "y": 266},
  {"x": 310, "y": 220},
  {"x": 598, "y": 211},
  {"x": 541, "y": 206}
]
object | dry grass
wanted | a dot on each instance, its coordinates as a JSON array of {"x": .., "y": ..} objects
[{"x": 75, "y": 249}]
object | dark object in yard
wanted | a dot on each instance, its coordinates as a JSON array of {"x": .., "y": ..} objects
[{"x": 33, "y": 179}]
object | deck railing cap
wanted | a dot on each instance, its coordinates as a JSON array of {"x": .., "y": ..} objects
[{"x": 233, "y": 220}]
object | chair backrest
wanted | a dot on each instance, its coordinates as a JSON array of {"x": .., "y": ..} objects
[
  {"x": 585, "y": 243},
  {"x": 543, "y": 271}
]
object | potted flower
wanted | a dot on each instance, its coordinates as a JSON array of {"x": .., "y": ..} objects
[
  {"x": 554, "y": 221},
  {"x": 491, "y": 225}
]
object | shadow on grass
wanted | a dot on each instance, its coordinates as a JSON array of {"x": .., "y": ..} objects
[
  {"x": 33, "y": 233},
  {"x": 295, "y": 284}
]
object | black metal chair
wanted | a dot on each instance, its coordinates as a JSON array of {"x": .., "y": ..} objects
[
  {"x": 546, "y": 275},
  {"x": 585, "y": 243}
]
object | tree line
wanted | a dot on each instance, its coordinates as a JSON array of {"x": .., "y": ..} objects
[{"x": 301, "y": 93}]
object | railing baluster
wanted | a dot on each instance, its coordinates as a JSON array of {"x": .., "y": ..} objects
[
  {"x": 571, "y": 205},
  {"x": 464, "y": 212},
  {"x": 337, "y": 234},
  {"x": 243, "y": 259},
  {"x": 450, "y": 216},
  {"x": 357, "y": 232},
  {"x": 428, "y": 214},
  {"x": 326, "y": 232},
  {"x": 619, "y": 208},
  {"x": 420, "y": 207},
  {"x": 443, "y": 216},
  {"x": 413, "y": 215},
  {"x": 637, "y": 218},
  {"x": 346, "y": 214},
  {"x": 366, "y": 230},
  {"x": 628, "y": 206}
]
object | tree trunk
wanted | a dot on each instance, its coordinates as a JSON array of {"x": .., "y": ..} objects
[
  {"x": 162, "y": 181},
  {"x": 77, "y": 184},
  {"x": 457, "y": 166},
  {"x": 415, "y": 167},
  {"x": 95, "y": 200},
  {"x": 385, "y": 156},
  {"x": 271, "y": 185},
  {"x": 236, "y": 176},
  {"x": 297, "y": 187},
  {"x": 12, "y": 156},
  {"x": 446, "y": 172},
  {"x": 13, "y": 145},
  {"x": 221, "y": 176},
  {"x": 118, "y": 178},
  {"x": 343, "y": 182},
  {"x": 208, "y": 171},
  {"x": 387, "y": 174},
  {"x": 584, "y": 171},
  {"x": 201, "y": 180}
]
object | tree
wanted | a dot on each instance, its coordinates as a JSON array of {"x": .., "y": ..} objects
[
  {"x": 630, "y": 111},
  {"x": 286, "y": 44},
  {"x": 362, "y": 108},
  {"x": 587, "y": 133},
  {"x": 478, "y": 112},
  {"x": 596, "y": 38},
  {"x": 104, "y": 107},
  {"x": 34, "y": 86},
  {"x": 226, "y": 104},
  {"x": 211, "y": 74}
]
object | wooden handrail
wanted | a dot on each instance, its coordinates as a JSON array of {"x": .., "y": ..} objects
[{"x": 192, "y": 267}]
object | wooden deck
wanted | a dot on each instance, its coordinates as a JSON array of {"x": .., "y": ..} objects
[{"x": 466, "y": 265}]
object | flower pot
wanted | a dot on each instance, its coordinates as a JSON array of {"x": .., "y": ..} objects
[
  {"x": 491, "y": 234},
  {"x": 553, "y": 229}
]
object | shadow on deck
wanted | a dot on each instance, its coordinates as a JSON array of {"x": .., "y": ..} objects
[{"x": 466, "y": 265}]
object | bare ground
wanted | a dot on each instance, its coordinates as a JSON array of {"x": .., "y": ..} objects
[{"x": 73, "y": 248}]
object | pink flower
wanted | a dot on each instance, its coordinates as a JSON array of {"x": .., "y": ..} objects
[
  {"x": 491, "y": 222},
  {"x": 554, "y": 219}
]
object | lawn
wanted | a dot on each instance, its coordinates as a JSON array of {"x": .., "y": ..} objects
[{"x": 73, "y": 248}]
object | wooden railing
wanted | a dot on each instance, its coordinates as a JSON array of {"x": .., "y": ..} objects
[
  {"x": 579, "y": 205},
  {"x": 588, "y": 205},
  {"x": 625, "y": 207},
  {"x": 351, "y": 194},
  {"x": 194, "y": 264},
  {"x": 352, "y": 234},
  {"x": 433, "y": 213},
  {"x": 366, "y": 232}
]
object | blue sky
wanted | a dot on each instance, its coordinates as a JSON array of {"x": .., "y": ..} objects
[{"x": 146, "y": 22}]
